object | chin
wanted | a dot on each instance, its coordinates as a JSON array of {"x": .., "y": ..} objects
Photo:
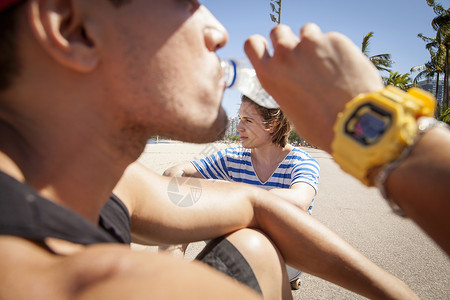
[
  {"x": 214, "y": 132},
  {"x": 203, "y": 134},
  {"x": 246, "y": 145}
]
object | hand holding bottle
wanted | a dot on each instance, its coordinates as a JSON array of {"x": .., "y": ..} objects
[{"x": 241, "y": 76}]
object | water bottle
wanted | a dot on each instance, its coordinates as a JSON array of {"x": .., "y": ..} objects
[{"x": 243, "y": 78}]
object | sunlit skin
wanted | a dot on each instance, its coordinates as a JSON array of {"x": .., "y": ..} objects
[
  {"x": 95, "y": 82},
  {"x": 125, "y": 85}
]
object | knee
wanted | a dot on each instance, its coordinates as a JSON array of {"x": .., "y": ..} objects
[
  {"x": 265, "y": 260},
  {"x": 252, "y": 242}
]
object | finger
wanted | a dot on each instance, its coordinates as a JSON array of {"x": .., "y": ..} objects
[
  {"x": 282, "y": 35},
  {"x": 310, "y": 31},
  {"x": 256, "y": 49}
]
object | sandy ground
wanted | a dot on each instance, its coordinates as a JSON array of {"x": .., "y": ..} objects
[{"x": 358, "y": 214}]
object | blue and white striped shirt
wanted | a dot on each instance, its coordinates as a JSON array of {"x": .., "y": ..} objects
[{"x": 235, "y": 164}]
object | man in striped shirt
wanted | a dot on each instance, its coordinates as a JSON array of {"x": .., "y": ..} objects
[
  {"x": 235, "y": 164},
  {"x": 265, "y": 158}
]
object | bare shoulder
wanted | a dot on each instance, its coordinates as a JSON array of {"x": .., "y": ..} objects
[
  {"x": 106, "y": 272},
  {"x": 32, "y": 271},
  {"x": 28, "y": 270}
]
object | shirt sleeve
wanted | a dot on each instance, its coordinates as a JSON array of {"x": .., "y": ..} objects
[
  {"x": 306, "y": 170},
  {"x": 213, "y": 166}
]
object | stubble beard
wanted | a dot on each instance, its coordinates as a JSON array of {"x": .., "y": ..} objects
[{"x": 216, "y": 131}]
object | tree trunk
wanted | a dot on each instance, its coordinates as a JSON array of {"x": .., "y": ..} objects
[
  {"x": 439, "y": 106},
  {"x": 446, "y": 99}
]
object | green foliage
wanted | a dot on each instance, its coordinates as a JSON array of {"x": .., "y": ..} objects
[
  {"x": 296, "y": 139},
  {"x": 402, "y": 81},
  {"x": 439, "y": 51},
  {"x": 382, "y": 62},
  {"x": 445, "y": 117},
  {"x": 441, "y": 23},
  {"x": 233, "y": 138}
]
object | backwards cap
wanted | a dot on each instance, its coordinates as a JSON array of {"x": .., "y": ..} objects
[{"x": 6, "y": 3}]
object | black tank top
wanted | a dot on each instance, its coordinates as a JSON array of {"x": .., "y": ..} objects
[{"x": 24, "y": 213}]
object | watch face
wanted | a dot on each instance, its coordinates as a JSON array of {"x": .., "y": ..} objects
[{"x": 368, "y": 123}]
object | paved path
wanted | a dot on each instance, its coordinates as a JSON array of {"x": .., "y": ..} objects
[{"x": 359, "y": 215}]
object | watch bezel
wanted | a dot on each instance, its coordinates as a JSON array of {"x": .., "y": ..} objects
[{"x": 356, "y": 118}]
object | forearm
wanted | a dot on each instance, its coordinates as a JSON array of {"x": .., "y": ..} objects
[
  {"x": 310, "y": 246},
  {"x": 425, "y": 176},
  {"x": 220, "y": 208},
  {"x": 298, "y": 199}
]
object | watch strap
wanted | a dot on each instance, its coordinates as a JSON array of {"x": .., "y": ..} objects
[
  {"x": 405, "y": 107},
  {"x": 424, "y": 124}
]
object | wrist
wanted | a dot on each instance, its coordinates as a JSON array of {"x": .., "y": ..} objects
[
  {"x": 381, "y": 174},
  {"x": 375, "y": 128},
  {"x": 377, "y": 131}
]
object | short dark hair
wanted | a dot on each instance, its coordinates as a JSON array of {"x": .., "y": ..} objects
[
  {"x": 274, "y": 119},
  {"x": 9, "y": 60}
]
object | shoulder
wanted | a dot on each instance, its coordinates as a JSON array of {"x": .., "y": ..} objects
[
  {"x": 299, "y": 154},
  {"x": 47, "y": 275},
  {"x": 301, "y": 157},
  {"x": 50, "y": 276},
  {"x": 103, "y": 272},
  {"x": 235, "y": 156},
  {"x": 237, "y": 152}
]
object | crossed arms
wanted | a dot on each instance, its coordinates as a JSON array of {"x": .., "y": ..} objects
[
  {"x": 226, "y": 207},
  {"x": 300, "y": 194}
]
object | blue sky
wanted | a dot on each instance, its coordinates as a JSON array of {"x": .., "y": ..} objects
[{"x": 395, "y": 24}]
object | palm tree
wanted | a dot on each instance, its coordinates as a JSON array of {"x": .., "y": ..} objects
[
  {"x": 402, "y": 81},
  {"x": 445, "y": 116},
  {"x": 439, "y": 46},
  {"x": 382, "y": 62},
  {"x": 433, "y": 68}
]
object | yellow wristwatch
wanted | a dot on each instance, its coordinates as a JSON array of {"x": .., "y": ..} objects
[{"x": 374, "y": 128}]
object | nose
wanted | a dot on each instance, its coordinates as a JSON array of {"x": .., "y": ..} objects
[
  {"x": 240, "y": 127},
  {"x": 216, "y": 36}
]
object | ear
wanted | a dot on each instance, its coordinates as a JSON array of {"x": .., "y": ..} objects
[{"x": 59, "y": 27}]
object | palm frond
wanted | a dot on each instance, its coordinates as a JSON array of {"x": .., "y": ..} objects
[
  {"x": 425, "y": 38},
  {"x": 382, "y": 61},
  {"x": 402, "y": 81},
  {"x": 437, "y": 8},
  {"x": 366, "y": 43},
  {"x": 418, "y": 68}
]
